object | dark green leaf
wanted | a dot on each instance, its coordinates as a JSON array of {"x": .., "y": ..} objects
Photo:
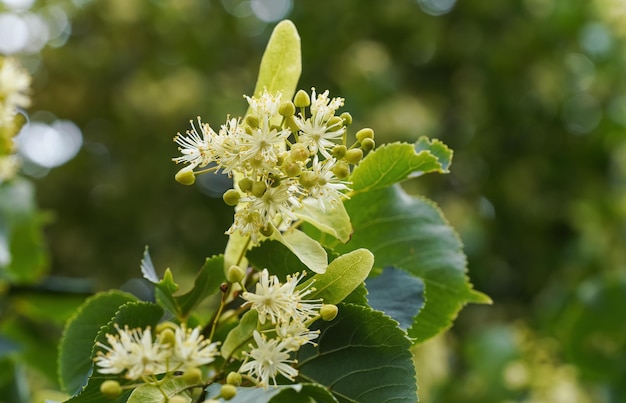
[
  {"x": 276, "y": 258},
  {"x": 207, "y": 282}
]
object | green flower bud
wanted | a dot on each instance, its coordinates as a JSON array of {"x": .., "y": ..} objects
[
  {"x": 366, "y": 133},
  {"x": 334, "y": 121},
  {"x": 186, "y": 176},
  {"x": 341, "y": 170},
  {"x": 233, "y": 378},
  {"x": 347, "y": 118},
  {"x": 252, "y": 121},
  {"x": 287, "y": 109},
  {"x": 353, "y": 156},
  {"x": 302, "y": 99},
  {"x": 228, "y": 391},
  {"x": 339, "y": 151},
  {"x": 368, "y": 144},
  {"x": 231, "y": 197},
  {"x": 111, "y": 389},
  {"x": 192, "y": 376},
  {"x": 299, "y": 152},
  {"x": 245, "y": 184},
  {"x": 258, "y": 189},
  {"x": 167, "y": 336},
  {"x": 165, "y": 325},
  {"x": 177, "y": 399},
  {"x": 291, "y": 168},
  {"x": 308, "y": 179},
  {"x": 329, "y": 312},
  {"x": 235, "y": 274}
]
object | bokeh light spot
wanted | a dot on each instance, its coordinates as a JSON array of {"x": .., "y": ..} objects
[
  {"x": 49, "y": 146},
  {"x": 581, "y": 113},
  {"x": 271, "y": 10},
  {"x": 13, "y": 33},
  {"x": 436, "y": 7}
]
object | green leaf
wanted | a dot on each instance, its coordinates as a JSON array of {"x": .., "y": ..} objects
[
  {"x": 308, "y": 250},
  {"x": 358, "y": 296},
  {"x": 207, "y": 282},
  {"x": 343, "y": 276},
  {"x": 153, "y": 394},
  {"x": 361, "y": 356},
  {"x": 331, "y": 219},
  {"x": 296, "y": 393},
  {"x": 411, "y": 234},
  {"x": 165, "y": 290},
  {"x": 78, "y": 337},
  {"x": 237, "y": 339},
  {"x": 281, "y": 64},
  {"x": 276, "y": 258},
  {"x": 395, "y": 162},
  {"x": 397, "y": 294}
]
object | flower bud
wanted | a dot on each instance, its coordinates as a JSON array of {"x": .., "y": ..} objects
[
  {"x": 245, "y": 184},
  {"x": 111, "y": 389},
  {"x": 258, "y": 188},
  {"x": 366, "y": 133},
  {"x": 252, "y": 121},
  {"x": 347, "y": 118},
  {"x": 228, "y": 391},
  {"x": 339, "y": 151},
  {"x": 353, "y": 156},
  {"x": 231, "y": 197},
  {"x": 302, "y": 99},
  {"x": 367, "y": 144},
  {"x": 192, "y": 376},
  {"x": 308, "y": 179},
  {"x": 334, "y": 121},
  {"x": 299, "y": 152},
  {"x": 186, "y": 176},
  {"x": 233, "y": 378},
  {"x": 329, "y": 312},
  {"x": 291, "y": 168},
  {"x": 341, "y": 170},
  {"x": 235, "y": 274},
  {"x": 167, "y": 336},
  {"x": 287, "y": 109}
]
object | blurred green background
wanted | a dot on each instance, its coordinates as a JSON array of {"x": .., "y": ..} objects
[{"x": 530, "y": 94}]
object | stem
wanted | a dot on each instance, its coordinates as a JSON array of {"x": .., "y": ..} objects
[{"x": 219, "y": 311}]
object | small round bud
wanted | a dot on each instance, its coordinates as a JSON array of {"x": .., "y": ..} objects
[
  {"x": 167, "y": 336},
  {"x": 341, "y": 170},
  {"x": 233, "y": 378},
  {"x": 291, "y": 168},
  {"x": 267, "y": 230},
  {"x": 308, "y": 179},
  {"x": 252, "y": 121},
  {"x": 334, "y": 121},
  {"x": 366, "y": 133},
  {"x": 245, "y": 184},
  {"x": 287, "y": 109},
  {"x": 177, "y": 399},
  {"x": 192, "y": 376},
  {"x": 228, "y": 391},
  {"x": 235, "y": 274},
  {"x": 186, "y": 176},
  {"x": 165, "y": 325},
  {"x": 258, "y": 189},
  {"x": 339, "y": 151},
  {"x": 347, "y": 118},
  {"x": 368, "y": 144},
  {"x": 302, "y": 99},
  {"x": 231, "y": 197},
  {"x": 353, "y": 156},
  {"x": 111, "y": 389},
  {"x": 299, "y": 152},
  {"x": 328, "y": 312}
]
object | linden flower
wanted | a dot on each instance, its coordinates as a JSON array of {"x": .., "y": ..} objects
[
  {"x": 267, "y": 360},
  {"x": 196, "y": 147},
  {"x": 295, "y": 334},
  {"x": 133, "y": 351},
  {"x": 316, "y": 133},
  {"x": 191, "y": 349},
  {"x": 328, "y": 187},
  {"x": 14, "y": 84},
  {"x": 281, "y": 302}
]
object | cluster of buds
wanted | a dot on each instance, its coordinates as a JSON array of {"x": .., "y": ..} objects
[
  {"x": 14, "y": 85},
  {"x": 280, "y": 154}
]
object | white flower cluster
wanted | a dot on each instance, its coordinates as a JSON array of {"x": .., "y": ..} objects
[
  {"x": 14, "y": 85},
  {"x": 176, "y": 348},
  {"x": 277, "y": 156},
  {"x": 283, "y": 305}
]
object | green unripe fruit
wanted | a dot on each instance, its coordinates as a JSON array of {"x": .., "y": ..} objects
[
  {"x": 341, "y": 170},
  {"x": 185, "y": 176},
  {"x": 192, "y": 376},
  {"x": 299, "y": 152},
  {"x": 329, "y": 312},
  {"x": 245, "y": 184},
  {"x": 287, "y": 109},
  {"x": 302, "y": 99},
  {"x": 308, "y": 179},
  {"x": 347, "y": 118},
  {"x": 368, "y": 145},
  {"x": 228, "y": 391},
  {"x": 231, "y": 197},
  {"x": 258, "y": 189},
  {"x": 235, "y": 274},
  {"x": 252, "y": 121},
  {"x": 354, "y": 155},
  {"x": 234, "y": 378},
  {"x": 334, "y": 121},
  {"x": 339, "y": 151},
  {"x": 111, "y": 389},
  {"x": 366, "y": 133}
]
